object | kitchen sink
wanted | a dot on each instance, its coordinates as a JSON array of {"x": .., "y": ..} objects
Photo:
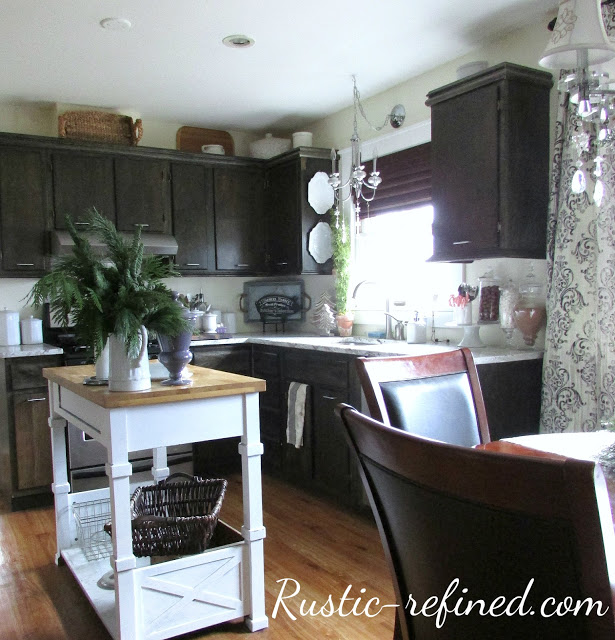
[{"x": 361, "y": 340}]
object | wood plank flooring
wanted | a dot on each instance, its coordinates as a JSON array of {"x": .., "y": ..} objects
[{"x": 308, "y": 540}]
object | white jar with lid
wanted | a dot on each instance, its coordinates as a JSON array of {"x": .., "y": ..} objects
[
  {"x": 31, "y": 331},
  {"x": 9, "y": 328}
]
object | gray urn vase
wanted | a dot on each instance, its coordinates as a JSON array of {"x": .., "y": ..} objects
[{"x": 175, "y": 351}]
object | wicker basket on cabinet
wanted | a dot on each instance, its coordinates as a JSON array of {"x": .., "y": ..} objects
[{"x": 100, "y": 126}]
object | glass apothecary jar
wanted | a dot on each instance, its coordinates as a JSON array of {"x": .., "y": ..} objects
[
  {"x": 509, "y": 299},
  {"x": 488, "y": 298},
  {"x": 531, "y": 312}
]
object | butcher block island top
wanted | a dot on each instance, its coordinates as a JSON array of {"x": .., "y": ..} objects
[{"x": 206, "y": 383}]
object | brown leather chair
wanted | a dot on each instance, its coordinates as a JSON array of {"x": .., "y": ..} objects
[
  {"x": 527, "y": 530},
  {"x": 436, "y": 395}
]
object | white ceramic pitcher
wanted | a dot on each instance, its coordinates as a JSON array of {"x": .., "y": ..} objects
[{"x": 128, "y": 374}]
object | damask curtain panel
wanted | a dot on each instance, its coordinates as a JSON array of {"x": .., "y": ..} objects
[{"x": 579, "y": 362}]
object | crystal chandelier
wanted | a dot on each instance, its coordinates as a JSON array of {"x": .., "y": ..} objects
[
  {"x": 360, "y": 188},
  {"x": 579, "y": 41}
]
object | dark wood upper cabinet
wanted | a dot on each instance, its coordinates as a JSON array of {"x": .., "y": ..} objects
[
  {"x": 143, "y": 194},
  {"x": 289, "y": 217},
  {"x": 192, "y": 195},
  {"x": 490, "y": 164},
  {"x": 24, "y": 207},
  {"x": 81, "y": 181},
  {"x": 238, "y": 211}
]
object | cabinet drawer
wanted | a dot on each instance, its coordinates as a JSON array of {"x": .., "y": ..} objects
[
  {"x": 266, "y": 362},
  {"x": 316, "y": 368},
  {"x": 232, "y": 359},
  {"x": 26, "y": 373}
]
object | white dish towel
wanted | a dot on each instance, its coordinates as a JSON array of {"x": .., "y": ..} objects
[{"x": 297, "y": 394}]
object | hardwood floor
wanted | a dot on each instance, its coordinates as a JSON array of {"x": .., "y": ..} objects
[{"x": 308, "y": 540}]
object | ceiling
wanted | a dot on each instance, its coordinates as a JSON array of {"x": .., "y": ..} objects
[{"x": 171, "y": 65}]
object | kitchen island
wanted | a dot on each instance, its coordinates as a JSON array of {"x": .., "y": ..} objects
[{"x": 171, "y": 596}]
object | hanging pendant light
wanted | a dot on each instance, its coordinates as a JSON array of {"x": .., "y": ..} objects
[{"x": 361, "y": 187}]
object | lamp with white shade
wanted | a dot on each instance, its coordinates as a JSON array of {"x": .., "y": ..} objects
[{"x": 579, "y": 41}]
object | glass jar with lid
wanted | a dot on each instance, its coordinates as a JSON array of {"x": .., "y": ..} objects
[
  {"x": 531, "y": 312},
  {"x": 488, "y": 298},
  {"x": 509, "y": 299}
]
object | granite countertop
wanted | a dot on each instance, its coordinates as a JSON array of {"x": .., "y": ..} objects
[
  {"x": 25, "y": 350},
  {"x": 371, "y": 347}
]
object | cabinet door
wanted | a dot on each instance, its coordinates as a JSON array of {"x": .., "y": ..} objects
[
  {"x": 220, "y": 456},
  {"x": 309, "y": 217},
  {"x": 331, "y": 455},
  {"x": 192, "y": 192},
  {"x": 283, "y": 218},
  {"x": 512, "y": 394},
  {"x": 80, "y": 182},
  {"x": 465, "y": 152},
  {"x": 240, "y": 232},
  {"x": 142, "y": 194},
  {"x": 23, "y": 212},
  {"x": 32, "y": 439}
]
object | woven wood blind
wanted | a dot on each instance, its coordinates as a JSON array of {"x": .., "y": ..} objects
[{"x": 406, "y": 181}]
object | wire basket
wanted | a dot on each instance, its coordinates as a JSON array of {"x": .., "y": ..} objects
[
  {"x": 91, "y": 518},
  {"x": 175, "y": 518}
]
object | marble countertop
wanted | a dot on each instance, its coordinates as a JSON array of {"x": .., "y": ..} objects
[
  {"x": 334, "y": 344},
  {"x": 371, "y": 347},
  {"x": 25, "y": 350}
]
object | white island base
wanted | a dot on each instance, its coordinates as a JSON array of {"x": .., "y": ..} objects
[{"x": 156, "y": 598}]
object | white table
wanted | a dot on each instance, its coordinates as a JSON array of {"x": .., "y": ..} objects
[{"x": 170, "y": 598}]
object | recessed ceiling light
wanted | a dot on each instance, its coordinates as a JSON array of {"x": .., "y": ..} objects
[
  {"x": 116, "y": 24},
  {"x": 238, "y": 41}
]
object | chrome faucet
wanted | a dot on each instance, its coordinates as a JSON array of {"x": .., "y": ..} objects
[{"x": 388, "y": 319}]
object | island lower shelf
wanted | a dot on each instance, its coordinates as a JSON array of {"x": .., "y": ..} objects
[{"x": 177, "y": 595}]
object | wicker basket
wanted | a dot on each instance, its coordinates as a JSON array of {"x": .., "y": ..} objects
[
  {"x": 175, "y": 518},
  {"x": 100, "y": 126}
]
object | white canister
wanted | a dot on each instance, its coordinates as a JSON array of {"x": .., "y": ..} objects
[
  {"x": 302, "y": 139},
  {"x": 229, "y": 320},
  {"x": 31, "y": 331},
  {"x": 416, "y": 332},
  {"x": 9, "y": 328},
  {"x": 210, "y": 322}
]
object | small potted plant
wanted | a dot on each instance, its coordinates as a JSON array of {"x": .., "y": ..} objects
[
  {"x": 341, "y": 266},
  {"x": 117, "y": 296}
]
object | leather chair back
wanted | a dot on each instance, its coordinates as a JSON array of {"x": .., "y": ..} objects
[
  {"x": 519, "y": 531},
  {"x": 437, "y": 396}
]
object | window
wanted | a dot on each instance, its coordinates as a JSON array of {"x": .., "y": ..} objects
[{"x": 392, "y": 250}]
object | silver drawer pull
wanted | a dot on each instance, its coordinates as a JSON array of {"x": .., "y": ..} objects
[
  {"x": 36, "y": 399},
  {"x": 25, "y": 264},
  {"x": 192, "y": 264},
  {"x": 329, "y": 397},
  {"x": 463, "y": 242},
  {"x": 81, "y": 224},
  {"x": 242, "y": 266},
  {"x": 141, "y": 224},
  {"x": 281, "y": 264}
]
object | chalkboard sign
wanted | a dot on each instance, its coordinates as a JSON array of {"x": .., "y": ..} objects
[{"x": 275, "y": 307}]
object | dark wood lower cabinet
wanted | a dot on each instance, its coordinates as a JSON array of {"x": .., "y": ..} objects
[
  {"x": 25, "y": 437},
  {"x": 512, "y": 393},
  {"x": 219, "y": 457},
  {"x": 324, "y": 463}
]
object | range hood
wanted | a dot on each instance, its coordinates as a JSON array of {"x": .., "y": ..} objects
[{"x": 161, "y": 244}]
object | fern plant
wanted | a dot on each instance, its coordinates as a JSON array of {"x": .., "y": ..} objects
[{"x": 111, "y": 294}]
